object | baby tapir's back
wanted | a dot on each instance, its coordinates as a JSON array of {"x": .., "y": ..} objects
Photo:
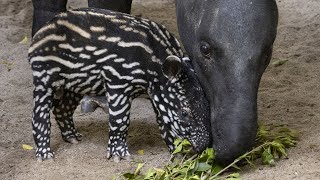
[{"x": 88, "y": 43}]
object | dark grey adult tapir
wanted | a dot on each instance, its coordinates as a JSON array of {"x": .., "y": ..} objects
[{"x": 230, "y": 44}]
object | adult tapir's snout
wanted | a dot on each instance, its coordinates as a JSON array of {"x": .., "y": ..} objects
[{"x": 230, "y": 45}]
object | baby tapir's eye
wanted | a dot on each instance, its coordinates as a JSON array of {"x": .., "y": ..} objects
[{"x": 184, "y": 113}]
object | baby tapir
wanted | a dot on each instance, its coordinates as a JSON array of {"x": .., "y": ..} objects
[{"x": 103, "y": 53}]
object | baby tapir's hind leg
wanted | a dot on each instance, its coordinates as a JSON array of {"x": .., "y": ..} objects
[{"x": 63, "y": 109}]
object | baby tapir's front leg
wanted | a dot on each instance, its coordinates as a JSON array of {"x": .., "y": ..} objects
[
  {"x": 41, "y": 126},
  {"x": 119, "y": 114}
]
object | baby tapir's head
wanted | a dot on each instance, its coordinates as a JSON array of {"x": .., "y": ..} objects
[{"x": 183, "y": 110}]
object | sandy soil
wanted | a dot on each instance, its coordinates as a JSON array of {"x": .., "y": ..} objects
[{"x": 289, "y": 94}]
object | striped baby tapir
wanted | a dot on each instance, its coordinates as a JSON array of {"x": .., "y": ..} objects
[{"x": 98, "y": 52}]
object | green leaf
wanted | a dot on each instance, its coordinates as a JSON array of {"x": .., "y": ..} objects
[
  {"x": 140, "y": 165},
  {"x": 128, "y": 175},
  {"x": 279, "y": 62},
  {"x": 178, "y": 149},
  {"x": 216, "y": 169},
  {"x": 267, "y": 157},
  {"x": 202, "y": 167}
]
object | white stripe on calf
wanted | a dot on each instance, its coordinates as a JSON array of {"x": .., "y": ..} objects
[
  {"x": 115, "y": 73},
  {"x": 119, "y": 60},
  {"x": 131, "y": 65},
  {"x": 45, "y": 28},
  {"x": 96, "y": 85},
  {"x": 74, "y": 28},
  {"x": 86, "y": 68},
  {"x": 107, "y": 58},
  {"x": 102, "y": 15},
  {"x": 115, "y": 104},
  {"x": 124, "y": 100},
  {"x": 85, "y": 91},
  {"x": 87, "y": 81},
  {"x": 70, "y": 84},
  {"x": 138, "y": 71},
  {"x": 99, "y": 52},
  {"x": 74, "y": 75},
  {"x": 139, "y": 81},
  {"x": 56, "y": 59},
  {"x": 116, "y": 113},
  {"x": 111, "y": 98},
  {"x": 113, "y": 39},
  {"x": 78, "y": 12},
  {"x": 48, "y": 38},
  {"x": 128, "y": 89},
  {"x": 117, "y": 86},
  {"x": 84, "y": 56},
  {"x": 97, "y": 28},
  {"x": 118, "y": 21},
  {"x": 105, "y": 77},
  {"x": 135, "y": 44},
  {"x": 69, "y": 47}
]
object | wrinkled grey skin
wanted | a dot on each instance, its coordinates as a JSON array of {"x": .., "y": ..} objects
[{"x": 230, "y": 45}]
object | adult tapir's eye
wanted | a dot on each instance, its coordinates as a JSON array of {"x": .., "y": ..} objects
[{"x": 205, "y": 49}]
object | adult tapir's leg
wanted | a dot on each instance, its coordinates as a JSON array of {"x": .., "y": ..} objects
[
  {"x": 115, "y": 5},
  {"x": 44, "y": 10}
]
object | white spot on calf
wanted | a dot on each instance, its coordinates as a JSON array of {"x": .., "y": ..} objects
[
  {"x": 90, "y": 48},
  {"x": 166, "y": 120}
]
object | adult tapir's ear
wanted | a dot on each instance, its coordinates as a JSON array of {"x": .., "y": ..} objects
[{"x": 171, "y": 67}]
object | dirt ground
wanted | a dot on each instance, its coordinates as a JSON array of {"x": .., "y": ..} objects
[{"x": 289, "y": 94}]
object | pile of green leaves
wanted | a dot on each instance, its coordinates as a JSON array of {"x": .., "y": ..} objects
[{"x": 272, "y": 143}]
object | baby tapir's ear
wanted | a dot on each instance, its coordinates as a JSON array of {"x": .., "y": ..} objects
[{"x": 171, "y": 67}]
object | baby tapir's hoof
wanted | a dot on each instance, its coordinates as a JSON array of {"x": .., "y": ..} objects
[
  {"x": 74, "y": 138},
  {"x": 90, "y": 103},
  {"x": 44, "y": 154},
  {"x": 117, "y": 158}
]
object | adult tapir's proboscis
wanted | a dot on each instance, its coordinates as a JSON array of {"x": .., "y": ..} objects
[{"x": 230, "y": 44}]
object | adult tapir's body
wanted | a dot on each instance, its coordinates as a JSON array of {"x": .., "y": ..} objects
[{"x": 230, "y": 44}]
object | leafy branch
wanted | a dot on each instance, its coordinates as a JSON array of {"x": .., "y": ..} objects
[{"x": 272, "y": 143}]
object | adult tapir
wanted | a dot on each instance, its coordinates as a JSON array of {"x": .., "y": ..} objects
[{"x": 230, "y": 45}]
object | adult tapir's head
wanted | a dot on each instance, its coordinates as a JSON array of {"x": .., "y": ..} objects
[{"x": 230, "y": 44}]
